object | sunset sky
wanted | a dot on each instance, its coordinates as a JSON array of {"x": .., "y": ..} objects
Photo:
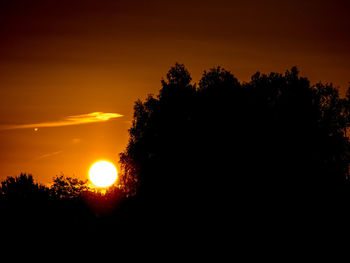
[{"x": 70, "y": 71}]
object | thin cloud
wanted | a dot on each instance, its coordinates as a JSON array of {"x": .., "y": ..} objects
[
  {"x": 48, "y": 155},
  {"x": 68, "y": 121}
]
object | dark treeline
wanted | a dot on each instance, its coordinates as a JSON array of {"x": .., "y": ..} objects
[
  {"x": 212, "y": 157},
  {"x": 67, "y": 207},
  {"x": 224, "y": 154},
  {"x": 275, "y": 133}
]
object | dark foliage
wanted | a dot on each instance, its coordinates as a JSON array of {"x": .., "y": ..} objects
[
  {"x": 227, "y": 151},
  {"x": 68, "y": 208},
  {"x": 22, "y": 188},
  {"x": 67, "y": 187}
]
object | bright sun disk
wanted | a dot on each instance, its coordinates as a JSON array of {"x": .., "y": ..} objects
[{"x": 103, "y": 174}]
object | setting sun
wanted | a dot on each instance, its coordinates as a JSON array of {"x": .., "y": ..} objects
[{"x": 103, "y": 174}]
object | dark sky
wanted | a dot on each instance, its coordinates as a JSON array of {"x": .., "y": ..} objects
[{"x": 72, "y": 58}]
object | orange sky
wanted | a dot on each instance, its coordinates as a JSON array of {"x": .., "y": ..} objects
[{"x": 63, "y": 58}]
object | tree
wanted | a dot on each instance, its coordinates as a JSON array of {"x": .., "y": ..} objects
[
  {"x": 333, "y": 148},
  {"x": 159, "y": 127},
  {"x": 67, "y": 187},
  {"x": 269, "y": 136},
  {"x": 22, "y": 188}
]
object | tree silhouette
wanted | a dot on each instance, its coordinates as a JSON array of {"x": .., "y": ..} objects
[
  {"x": 274, "y": 137},
  {"x": 22, "y": 187},
  {"x": 30, "y": 209},
  {"x": 67, "y": 187}
]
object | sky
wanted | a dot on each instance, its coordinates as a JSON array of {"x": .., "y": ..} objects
[{"x": 71, "y": 70}]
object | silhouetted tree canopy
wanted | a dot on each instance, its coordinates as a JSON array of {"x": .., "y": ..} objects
[
  {"x": 67, "y": 187},
  {"x": 274, "y": 135},
  {"x": 68, "y": 207},
  {"x": 22, "y": 188}
]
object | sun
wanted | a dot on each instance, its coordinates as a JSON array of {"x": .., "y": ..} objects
[{"x": 103, "y": 174}]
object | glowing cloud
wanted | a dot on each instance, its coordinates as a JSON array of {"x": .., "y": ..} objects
[{"x": 70, "y": 120}]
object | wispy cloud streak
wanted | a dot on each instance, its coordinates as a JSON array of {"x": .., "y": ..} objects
[
  {"x": 70, "y": 120},
  {"x": 48, "y": 155}
]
